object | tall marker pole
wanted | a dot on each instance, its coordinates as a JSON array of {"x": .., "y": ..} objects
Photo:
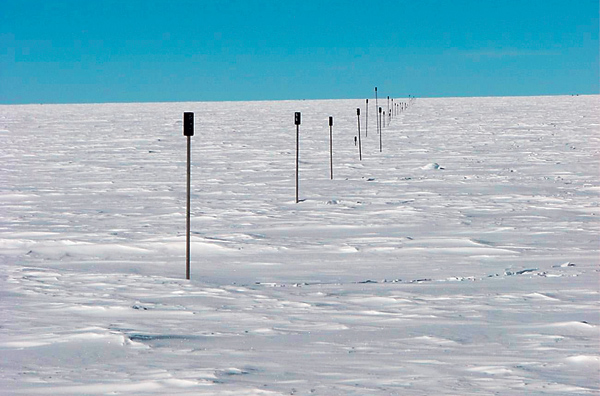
[
  {"x": 388, "y": 111},
  {"x": 297, "y": 122},
  {"x": 376, "y": 107},
  {"x": 367, "y": 118},
  {"x": 331, "y": 147},
  {"x": 359, "y": 144},
  {"x": 188, "y": 131},
  {"x": 380, "y": 130}
]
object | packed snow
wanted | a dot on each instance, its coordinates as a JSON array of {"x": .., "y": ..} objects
[{"x": 463, "y": 259}]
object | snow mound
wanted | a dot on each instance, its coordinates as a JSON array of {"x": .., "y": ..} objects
[{"x": 432, "y": 166}]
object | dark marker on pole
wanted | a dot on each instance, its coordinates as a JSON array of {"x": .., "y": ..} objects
[
  {"x": 188, "y": 131},
  {"x": 297, "y": 122},
  {"x": 380, "y": 130},
  {"x": 331, "y": 147},
  {"x": 359, "y": 144}
]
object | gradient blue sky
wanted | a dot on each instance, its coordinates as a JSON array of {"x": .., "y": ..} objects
[{"x": 79, "y": 51}]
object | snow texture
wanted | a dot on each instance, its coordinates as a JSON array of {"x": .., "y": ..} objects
[{"x": 462, "y": 260}]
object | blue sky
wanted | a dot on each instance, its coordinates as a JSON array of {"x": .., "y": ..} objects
[{"x": 76, "y": 51}]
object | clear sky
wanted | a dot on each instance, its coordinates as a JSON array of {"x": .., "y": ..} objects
[{"x": 78, "y": 51}]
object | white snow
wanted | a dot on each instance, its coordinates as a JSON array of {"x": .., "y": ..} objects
[{"x": 463, "y": 259}]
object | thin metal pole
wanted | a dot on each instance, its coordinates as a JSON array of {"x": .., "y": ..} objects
[
  {"x": 188, "y": 218},
  {"x": 380, "y": 131},
  {"x": 297, "y": 158},
  {"x": 367, "y": 118},
  {"x": 388, "y": 110},
  {"x": 376, "y": 107},
  {"x": 331, "y": 146},
  {"x": 359, "y": 143}
]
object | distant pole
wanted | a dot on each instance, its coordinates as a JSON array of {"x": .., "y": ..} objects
[
  {"x": 331, "y": 146},
  {"x": 359, "y": 144},
  {"x": 367, "y": 118},
  {"x": 380, "y": 150},
  {"x": 393, "y": 110},
  {"x": 388, "y": 110},
  {"x": 376, "y": 107},
  {"x": 188, "y": 131},
  {"x": 297, "y": 122}
]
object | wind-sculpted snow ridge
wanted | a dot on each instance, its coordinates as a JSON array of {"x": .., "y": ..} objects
[{"x": 462, "y": 260}]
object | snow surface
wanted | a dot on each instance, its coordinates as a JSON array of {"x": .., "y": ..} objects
[{"x": 463, "y": 259}]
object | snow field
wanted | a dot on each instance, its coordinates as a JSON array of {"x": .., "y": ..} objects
[{"x": 461, "y": 260}]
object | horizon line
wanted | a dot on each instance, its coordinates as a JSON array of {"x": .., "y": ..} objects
[{"x": 288, "y": 100}]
